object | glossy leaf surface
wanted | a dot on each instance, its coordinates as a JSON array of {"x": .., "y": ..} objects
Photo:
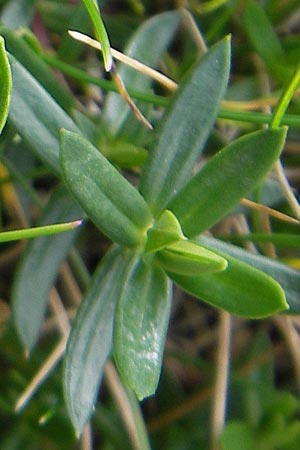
[
  {"x": 225, "y": 179},
  {"x": 288, "y": 278},
  {"x": 39, "y": 268},
  {"x": 5, "y": 84},
  {"x": 141, "y": 323},
  {"x": 110, "y": 201},
  {"x": 161, "y": 29},
  {"x": 90, "y": 341},
  {"x": 241, "y": 289},
  {"x": 36, "y": 116},
  {"x": 188, "y": 258},
  {"x": 186, "y": 125}
]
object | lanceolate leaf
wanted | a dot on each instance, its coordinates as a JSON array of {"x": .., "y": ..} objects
[
  {"x": 141, "y": 322},
  {"x": 111, "y": 202},
  {"x": 288, "y": 278},
  {"x": 5, "y": 84},
  {"x": 39, "y": 268},
  {"x": 36, "y": 116},
  {"x": 225, "y": 179},
  {"x": 240, "y": 289},
  {"x": 147, "y": 45},
  {"x": 185, "y": 128},
  {"x": 90, "y": 341}
]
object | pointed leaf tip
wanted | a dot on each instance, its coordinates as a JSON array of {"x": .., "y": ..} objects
[
  {"x": 141, "y": 322},
  {"x": 241, "y": 289},
  {"x": 227, "y": 177}
]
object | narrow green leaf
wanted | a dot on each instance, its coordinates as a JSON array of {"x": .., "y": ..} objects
[
  {"x": 164, "y": 231},
  {"x": 288, "y": 278},
  {"x": 46, "y": 230},
  {"x": 90, "y": 340},
  {"x": 264, "y": 39},
  {"x": 101, "y": 34},
  {"x": 143, "y": 48},
  {"x": 36, "y": 116},
  {"x": 39, "y": 267},
  {"x": 225, "y": 179},
  {"x": 187, "y": 123},
  {"x": 110, "y": 201},
  {"x": 241, "y": 289},
  {"x": 141, "y": 323},
  {"x": 124, "y": 154},
  {"x": 188, "y": 258},
  {"x": 34, "y": 63},
  {"x": 5, "y": 84}
]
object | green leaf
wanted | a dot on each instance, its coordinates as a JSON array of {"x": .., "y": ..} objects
[
  {"x": 187, "y": 258},
  {"x": 94, "y": 12},
  {"x": 124, "y": 154},
  {"x": 5, "y": 84},
  {"x": 240, "y": 289},
  {"x": 141, "y": 322},
  {"x": 186, "y": 125},
  {"x": 90, "y": 340},
  {"x": 110, "y": 201},
  {"x": 142, "y": 48},
  {"x": 37, "y": 67},
  {"x": 38, "y": 269},
  {"x": 288, "y": 278},
  {"x": 225, "y": 179},
  {"x": 36, "y": 116},
  {"x": 264, "y": 39},
  {"x": 166, "y": 229}
]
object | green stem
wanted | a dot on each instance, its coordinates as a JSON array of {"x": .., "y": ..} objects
[
  {"x": 291, "y": 120},
  {"x": 30, "y": 233},
  {"x": 279, "y": 239},
  {"x": 83, "y": 77},
  {"x": 285, "y": 99},
  {"x": 158, "y": 100}
]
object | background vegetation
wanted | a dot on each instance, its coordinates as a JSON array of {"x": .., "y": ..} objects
[{"x": 227, "y": 382}]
